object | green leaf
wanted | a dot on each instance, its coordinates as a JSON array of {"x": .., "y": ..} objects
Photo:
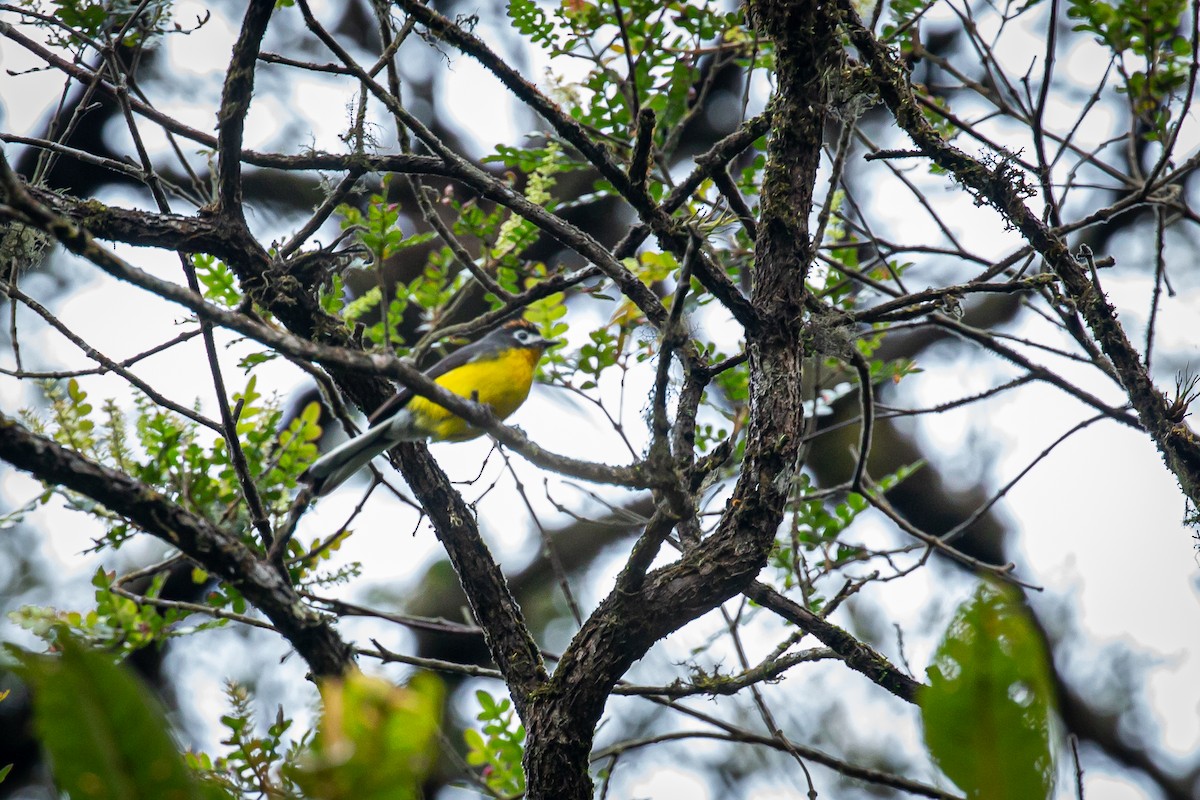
[
  {"x": 252, "y": 360},
  {"x": 105, "y": 735},
  {"x": 362, "y": 305},
  {"x": 375, "y": 741},
  {"x": 333, "y": 298},
  {"x": 251, "y": 765},
  {"x": 987, "y": 709},
  {"x": 500, "y": 751},
  {"x": 220, "y": 284}
]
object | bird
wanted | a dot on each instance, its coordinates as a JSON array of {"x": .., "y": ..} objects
[{"x": 496, "y": 371}]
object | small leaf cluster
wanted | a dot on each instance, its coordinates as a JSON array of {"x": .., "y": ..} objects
[
  {"x": 603, "y": 350},
  {"x": 818, "y": 522},
  {"x": 375, "y": 741},
  {"x": 734, "y": 382},
  {"x": 901, "y": 15},
  {"x": 499, "y": 748},
  {"x": 117, "y": 624},
  {"x": 815, "y": 525},
  {"x": 203, "y": 479},
  {"x": 95, "y": 19},
  {"x": 1152, "y": 57},
  {"x": 654, "y": 63},
  {"x": 219, "y": 282},
  {"x": 378, "y": 229},
  {"x": 253, "y": 764},
  {"x": 517, "y": 233},
  {"x": 188, "y": 465},
  {"x": 221, "y": 286},
  {"x": 526, "y": 160},
  {"x": 72, "y": 422},
  {"x": 548, "y": 314}
]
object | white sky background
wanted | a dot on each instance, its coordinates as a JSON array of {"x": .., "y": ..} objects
[{"x": 1097, "y": 523}]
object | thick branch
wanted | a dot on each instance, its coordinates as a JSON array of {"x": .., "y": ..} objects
[
  {"x": 627, "y": 624},
  {"x": 495, "y": 609},
  {"x": 221, "y": 553},
  {"x": 235, "y": 103}
]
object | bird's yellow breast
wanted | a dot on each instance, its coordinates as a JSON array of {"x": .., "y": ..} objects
[{"x": 501, "y": 382}]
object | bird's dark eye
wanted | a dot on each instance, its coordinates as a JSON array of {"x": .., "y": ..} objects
[{"x": 523, "y": 336}]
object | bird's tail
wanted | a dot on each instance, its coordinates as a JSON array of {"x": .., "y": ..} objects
[{"x": 332, "y": 469}]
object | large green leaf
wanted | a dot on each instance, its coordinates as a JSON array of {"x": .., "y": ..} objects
[
  {"x": 375, "y": 741},
  {"x": 987, "y": 710},
  {"x": 106, "y": 737}
]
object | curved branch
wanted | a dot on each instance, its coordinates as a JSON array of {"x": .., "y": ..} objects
[
  {"x": 222, "y": 553},
  {"x": 80, "y": 242}
]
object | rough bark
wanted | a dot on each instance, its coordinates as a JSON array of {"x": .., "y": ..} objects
[
  {"x": 1003, "y": 187},
  {"x": 219, "y": 551},
  {"x": 565, "y": 711}
]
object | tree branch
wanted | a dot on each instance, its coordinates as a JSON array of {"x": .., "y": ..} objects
[
  {"x": 1001, "y": 188},
  {"x": 341, "y": 360},
  {"x": 222, "y": 553},
  {"x": 235, "y": 104}
]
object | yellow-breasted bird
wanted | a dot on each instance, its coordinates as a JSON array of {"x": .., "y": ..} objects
[{"x": 496, "y": 371}]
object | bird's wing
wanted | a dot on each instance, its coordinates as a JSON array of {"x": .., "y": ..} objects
[{"x": 399, "y": 400}]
